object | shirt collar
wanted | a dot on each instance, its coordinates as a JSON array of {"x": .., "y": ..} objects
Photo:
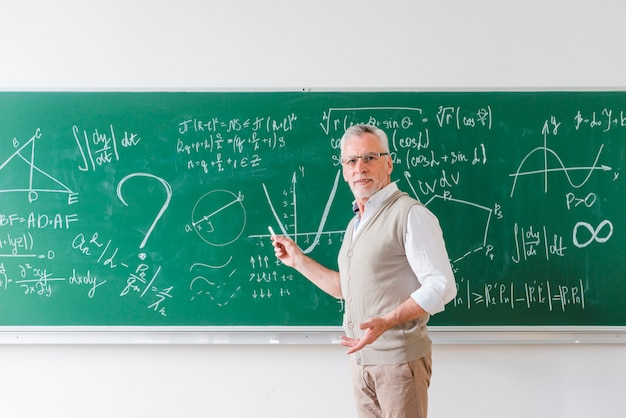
[{"x": 377, "y": 198}]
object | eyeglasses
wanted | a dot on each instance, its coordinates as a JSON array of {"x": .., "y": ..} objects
[{"x": 368, "y": 158}]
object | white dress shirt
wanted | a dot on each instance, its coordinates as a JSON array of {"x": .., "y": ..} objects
[{"x": 425, "y": 251}]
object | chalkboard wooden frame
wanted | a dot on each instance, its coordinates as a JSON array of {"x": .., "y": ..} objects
[{"x": 533, "y": 335}]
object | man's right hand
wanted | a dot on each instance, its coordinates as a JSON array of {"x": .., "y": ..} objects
[{"x": 286, "y": 250}]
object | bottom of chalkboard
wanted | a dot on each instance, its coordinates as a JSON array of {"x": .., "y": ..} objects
[
  {"x": 301, "y": 335},
  {"x": 529, "y": 335}
]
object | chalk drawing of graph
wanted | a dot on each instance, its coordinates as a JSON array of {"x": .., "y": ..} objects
[
  {"x": 292, "y": 230},
  {"x": 19, "y": 173},
  {"x": 546, "y": 155}
]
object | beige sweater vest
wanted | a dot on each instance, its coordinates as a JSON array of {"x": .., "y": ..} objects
[{"x": 376, "y": 278}]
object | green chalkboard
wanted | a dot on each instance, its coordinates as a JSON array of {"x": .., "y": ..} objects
[{"x": 152, "y": 208}]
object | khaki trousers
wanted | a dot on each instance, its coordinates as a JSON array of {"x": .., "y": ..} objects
[{"x": 394, "y": 391}]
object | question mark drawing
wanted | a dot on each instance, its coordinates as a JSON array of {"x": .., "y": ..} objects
[{"x": 168, "y": 191}]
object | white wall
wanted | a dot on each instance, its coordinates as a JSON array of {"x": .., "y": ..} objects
[{"x": 286, "y": 44}]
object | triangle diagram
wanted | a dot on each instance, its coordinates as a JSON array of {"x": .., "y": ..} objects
[{"x": 18, "y": 173}]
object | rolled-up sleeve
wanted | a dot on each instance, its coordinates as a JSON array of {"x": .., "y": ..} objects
[{"x": 428, "y": 257}]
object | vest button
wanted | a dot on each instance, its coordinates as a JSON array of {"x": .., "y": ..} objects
[
  {"x": 350, "y": 325},
  {"x": 348, "y": 277},
  {"x": 349, "y": 299},
  {"x": 349, "y": 253}
]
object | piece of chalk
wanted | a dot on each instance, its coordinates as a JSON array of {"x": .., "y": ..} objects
[{"x": 272, "y": 233}]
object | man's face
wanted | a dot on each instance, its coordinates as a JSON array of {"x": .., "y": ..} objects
[{"x": 365, "y": 178}]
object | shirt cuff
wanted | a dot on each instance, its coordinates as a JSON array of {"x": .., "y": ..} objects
[{"x": 429, "y": 300}]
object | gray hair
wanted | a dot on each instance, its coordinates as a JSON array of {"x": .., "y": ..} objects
[{"x": 358, "y": 130}]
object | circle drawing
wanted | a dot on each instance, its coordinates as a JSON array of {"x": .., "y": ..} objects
[{"x": 219, "y": 217}]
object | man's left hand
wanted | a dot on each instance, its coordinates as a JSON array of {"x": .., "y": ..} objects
[{"x": 373, "y": 329}]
